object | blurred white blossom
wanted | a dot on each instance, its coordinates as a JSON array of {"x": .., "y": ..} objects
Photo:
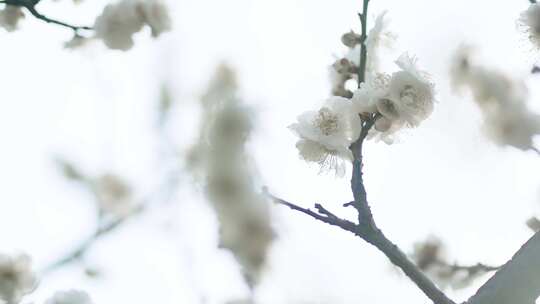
[
  {"x": 378, "y": 37},
  {"x": 16, "y": 277},
  {"x": 10, "y": 16},
  {"x": 70, "y": 297},
  {"x": 529, "y": 21},
  {"x": 114, "y": 195},
  {"x": 119, "y": 21},
  {"x": 507, "y": 120},
  {"x": 326, "y": 135},
  {"x": 76, "y": 42},
  {"x": 221, "y": 161}
]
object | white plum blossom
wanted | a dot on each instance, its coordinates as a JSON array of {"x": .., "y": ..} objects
[
  {"x": 16, "y": 277},
  {"x": 70, "y": 297},
  {"x": 10, "y": 16},
  {"x": 502, "y": 100},
  {"x": 513, "y": 127},
  {"x": 326, "y": 135},
  {"x": 379, "y": 36},
  {"x": 375, "y": 87},
  {"x": 114, "y": 195},
  {"x": 119, "y": 21},
  {"x": 529, "y": 20},
  {"x": 403, "y": 99},
  {"x": 221, "y": 162},
  {"x": 155, "y": 15},
  {"x": 411, "y": 91}
]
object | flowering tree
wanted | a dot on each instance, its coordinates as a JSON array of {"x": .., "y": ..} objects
[{"x": 368, "y": 105}]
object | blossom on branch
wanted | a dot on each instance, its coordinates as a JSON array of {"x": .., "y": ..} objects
[
  {"x": 326, "y": 135},
  {"x": 10, "y": 16},
  {"x": 220, "y": 161},
  {"x": 119, "y": 21},
  {"x": 403, "y": 99},
  {"x": 529, "y": 21},
  {"x": 16, "y": 277},
  {"x": 70, "y": 297},
  {"x": 502, "y": 100},
  {"x": 378, "y": 37},
  {"x": 114, "y": 195}
]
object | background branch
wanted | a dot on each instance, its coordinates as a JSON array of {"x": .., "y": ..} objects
[
  {"x": 163, "y": 193},
  {"x": 30, "y": 5}
]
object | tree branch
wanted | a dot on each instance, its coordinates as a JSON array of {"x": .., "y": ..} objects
[
  {"x": 30, "y": 5},
  {"x": 363, "y": 38},
  {"x": 517, "y": 282},
  {"x": 366, "y": 227},
  {"x": 375, "y": 237},
  {"x": 81, "y": 250},
  {"x": 164, "y": 192}
]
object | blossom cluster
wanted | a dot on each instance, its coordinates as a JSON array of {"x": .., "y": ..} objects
[
  {"x": 119, "y": 21},
  {"x": 220, "y": 161},
  {"x": 401, "y": 99},
  {"x": 17, "y": 279},
  {"x": 115, "y": 26},
  {"x": 529, "y": 21},
  {"x": 502, "y": 100},
  {"x": 114, "y": 195}
]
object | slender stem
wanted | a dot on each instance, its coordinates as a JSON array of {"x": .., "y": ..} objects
[
  {"x": 30, "y": 5},
  {"x": 363, "y": 38},
  {"x": 471, "y": 268},
  {"x": 163, "y": 193},
  {"x": 375, "y": 237},
  {"x": 36, "y": 14}
]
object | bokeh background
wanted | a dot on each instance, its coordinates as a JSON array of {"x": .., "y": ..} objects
[{"x": 99, "y": 109}]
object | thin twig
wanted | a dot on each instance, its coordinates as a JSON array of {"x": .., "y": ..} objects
[
  {"x": 31, "y": 7},
  {"x": 375, "y": 237},
  {"x": 104, "y": 228},
  {"x": 472, "y": 268},
  {"x": 323, "y": 215},
  {"x": 363, "y": 38}
]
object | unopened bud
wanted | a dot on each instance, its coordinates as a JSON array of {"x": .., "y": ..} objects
[{"x": 350, "y": 39}]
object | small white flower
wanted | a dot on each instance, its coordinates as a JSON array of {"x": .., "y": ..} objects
[
  {"x": 529, "y": 20},
  {"x": 155, "y": 14},
  {"x": 378, "y": 37},
  {"x": 119, "y": 21},
  {"x": 70, "y": 297},
  {"x": 326, "y": 134},
  {"x": 76, "y": 42},
  {"x": 375, "y": 88},
  {"x": 502, "y": 100},
  {"x": 411, "y": 91},
  {"x": 117, "y": 24},
  {"x": 114, "y": 195},
  {"x": 16, "y": 277},
  {"x": 514, "y": 127},
  {"x": 10, "y": 16}
]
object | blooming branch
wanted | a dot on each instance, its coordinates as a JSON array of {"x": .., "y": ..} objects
[{"x": 115, "y": 26}]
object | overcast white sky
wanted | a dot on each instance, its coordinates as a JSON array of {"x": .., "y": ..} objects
[{"x": 97, "y": 107}]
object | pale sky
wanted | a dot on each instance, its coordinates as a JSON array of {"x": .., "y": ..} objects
[{"x": 97, "y": 108}]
